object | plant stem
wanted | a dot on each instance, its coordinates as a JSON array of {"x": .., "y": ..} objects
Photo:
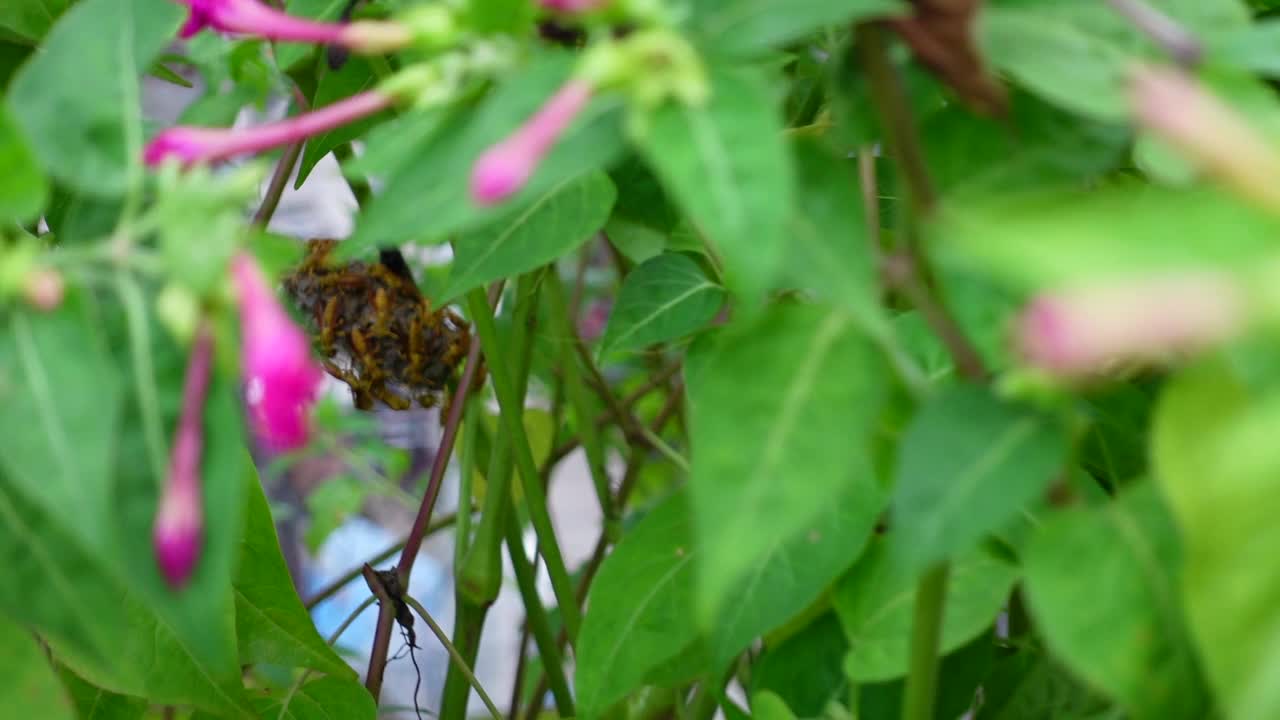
[
  {"x": 462, "y": 537},
  {"x": 895, "y": 114},
  {"x": 926, "y": 637},
  {"x": 539, "y": 624},
  {"x": 275, "y": 189},
  {"x": 512, "y": 411},
  {"x": 413, "y": 543},
  {"x": 576, "y": 390},
  {"x": 468, "y": 622},
  {"x": 332, "y": 588},
  {"x": 460, "y": 662}
]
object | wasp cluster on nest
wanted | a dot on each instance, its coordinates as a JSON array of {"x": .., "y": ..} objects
[{"x": 377, "y": 332}]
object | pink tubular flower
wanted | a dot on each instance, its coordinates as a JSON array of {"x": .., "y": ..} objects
[
  {"x": 572, "y": 5},
  {"x": 1180, "y": 111},
  {"x": 179, "y": 526},
  {"x": 251, "y": 17},
  {"x": 1080, "y": 332},
  {"x": 504, "y": 168},
  {"x": 194, "y": 145},
  {"x": 281, "y": 378}
]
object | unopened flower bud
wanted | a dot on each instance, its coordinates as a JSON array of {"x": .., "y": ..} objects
[
  {"x": 44, "y": 289},
  {"x": 1083, "y": 331}
]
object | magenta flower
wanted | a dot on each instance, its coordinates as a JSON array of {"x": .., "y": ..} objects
[
  {"x": 281, "y": 378},
  {"x": 504, "y": 168},
  {"x": 1084, "y": 331},
  {"x": 179, "y": 526},
  {"x": 251, "y": 17},
  {"x": 195, "y": 145}
]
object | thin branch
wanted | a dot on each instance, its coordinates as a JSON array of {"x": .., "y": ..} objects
[
  {"x": 332, "y": 588},
  {"x": 275, "y": 190},
  {"x": 454, "y": 654}
]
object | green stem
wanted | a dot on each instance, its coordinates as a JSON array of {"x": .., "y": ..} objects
[
  {"x": 468, "y": 622},
  {"x": 512, "y": 411},
  {"x": 144, "y": 377},
  {"x": 462, "y": 537},
  {"x": 579, "y": 396},
  {"x": 275, "y": 190},
  {"x": 926, "y": 640},
  {"x": 539, "y": 624},
  {"x": 460, "y": 662}
]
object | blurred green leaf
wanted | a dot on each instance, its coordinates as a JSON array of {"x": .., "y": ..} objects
[
  {"x": 1027, "y": 685},
  {"x": 1130, "y": 640},
  {"x": 804, "y": 670},
  {"x": 79, "y": 100},
  {"x": 329, "y": 506},
  {"x": 500, "y": 16},
  {"x": 662, "y": 299},
  {"x": 28, "y": 684},
  {"x": 960, "y": 673},
  {"x": 1216, "y": 459},
  {"x": 831, "y": 252},
  {"x": 23, "y": 188},
  {"x": 1124, "y": 230},
  {"x": 769, "y": 706},
  {"x": 780, "y": 415},
  {"x": 433, "y": 182},
  {"x": 31, "y": 19},
  {"x": 726, "y": 163},
  {"x": 875, "y": 601},
  {"x": 272, "y": 625},
  {"x": 739, "y": 27},
  {"x": 967, "y": 465},
  {"x": 76, "y": 527},
  {"x": 326, "y": 698},
  {"x": 562, "y": 219},
  {"x": 94, "y": 703},
  {"x": 355, "y": 76}
]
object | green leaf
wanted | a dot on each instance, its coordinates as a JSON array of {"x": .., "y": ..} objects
[
  {"x": 1130, "y": 640},
  {"x": 554, "y": 224},
  {"x": 28, "y": 684},
  {"x": 831, "y": 252},
  {"x": 726, "y": 164},
  {"x": 433, "y": 182},
  {"x": 271, "y": 623},
  {"x": 1118, "y": 231},
  {"x": 960, "y": 672},
  {"x": 325, "y": 698},
  {"x": 76, "y": 521},
  {"x": 1027, "y": 685},
  {"x": 1077, "y": 55},
  {"x": 637, "y": 616},
  {"x": 79, "y": 99},
  {"x": 500, "y": 16},
  {"x": 354, "y": 77},
  {"x": 1217, "y": 462},
  {"x": 94, "y": 703},
  {"x": 876, "y": 599},
  {"x": 753, "y": 26},
  {"x": 1035, "y": 146},
  {"x": 23, "y": 188},
  {"x": 780, "y": 415},
  {"x": 804, "y": 670},
  {"x": 768, "y": 706},
  {"x": 662, "y": 299},
  {"x": 31, "y": 19},
  {"x": 642, "y": 600},
  {"x": 967, "y": 465}
]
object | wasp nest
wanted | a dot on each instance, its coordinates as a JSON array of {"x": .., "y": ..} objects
[{"x": 377, "y": 332}]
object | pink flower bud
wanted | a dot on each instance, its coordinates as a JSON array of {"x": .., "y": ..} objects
[
  {"x": 1208, "y": 132},
  {"x": 251, "y": 17},
  {"x": 1083, "y": 331},
  {"x": 505, "y": 168},
  {"x": 281, "y": 378},
  {"x": 44, "y": 289},
  {"x": 572, "y": 6},
  {"x": 179, "y": 526},
  {"x": 192, "y": 145}
]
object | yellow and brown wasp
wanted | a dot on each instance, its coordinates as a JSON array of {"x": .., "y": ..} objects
[{"x": 376, "y": 331}]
